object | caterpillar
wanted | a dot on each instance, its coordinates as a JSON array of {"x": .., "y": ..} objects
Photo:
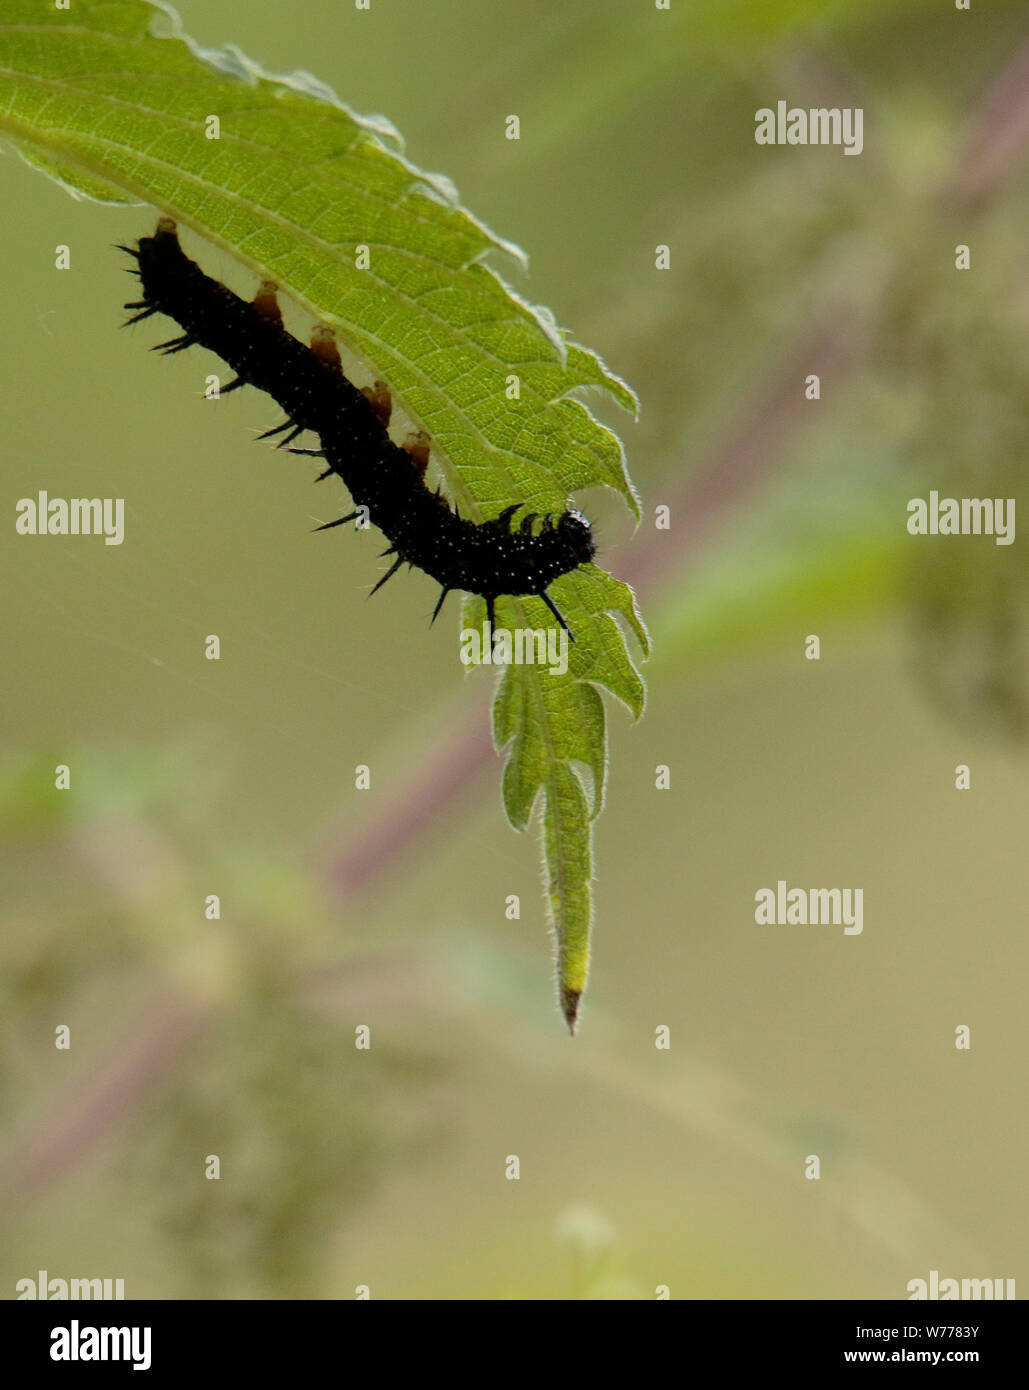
[{"x": 386, "y": 481}]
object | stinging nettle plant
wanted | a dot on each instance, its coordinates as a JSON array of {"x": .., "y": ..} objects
[{"x": 115, "y": 101}]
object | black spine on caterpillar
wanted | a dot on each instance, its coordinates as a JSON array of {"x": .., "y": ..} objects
[{"x": 485, "y": 558}]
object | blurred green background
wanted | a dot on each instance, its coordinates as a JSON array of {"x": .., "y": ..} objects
[{"x": 386, "y": 908}]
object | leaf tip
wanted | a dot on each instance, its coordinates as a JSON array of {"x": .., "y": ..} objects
[{"x": 570, "y": 1007}]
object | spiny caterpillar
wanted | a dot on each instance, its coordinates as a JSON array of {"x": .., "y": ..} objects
[{"x": 388, "y": 480}]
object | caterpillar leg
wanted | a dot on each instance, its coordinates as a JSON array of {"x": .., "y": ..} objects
[
  {"x": 323, "y": 345},
  {"x": 380, "y": 400},
  {"x": 265, "y": 303},
  {"x": 557, "y": 613},
  {"x": 417, "y": 447}
]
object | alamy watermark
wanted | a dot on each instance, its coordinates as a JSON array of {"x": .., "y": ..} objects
[
  {"x": 520, "y": 646},
  {"x": 963, "y": 516},
  {"x": 44, "y": 1287},
  {"x": 935, "y": 1288},
  {"x": 816, "y": 125},
  {"x": 78, "y": 1343},
  {"x": 802, "y": 907},
  {"x": 44, "y": 515}
]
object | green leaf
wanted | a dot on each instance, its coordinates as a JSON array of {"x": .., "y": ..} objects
[
  {"x": 552, "y": 723},
  {"x": 113, "y": 100}
]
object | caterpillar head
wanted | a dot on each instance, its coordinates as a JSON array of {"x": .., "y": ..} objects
[{"x": 575, "y": 533}]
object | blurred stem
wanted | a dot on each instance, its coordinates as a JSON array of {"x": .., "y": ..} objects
[{"x": 74, "y": 1122}]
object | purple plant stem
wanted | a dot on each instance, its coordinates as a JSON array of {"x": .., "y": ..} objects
[
  {"x": 439, "y": 785},
  {"x": 69, "y": 1129}
]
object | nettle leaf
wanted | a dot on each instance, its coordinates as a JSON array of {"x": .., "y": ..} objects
[{"x": 111, "y": 98}]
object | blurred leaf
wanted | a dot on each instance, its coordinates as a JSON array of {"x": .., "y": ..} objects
[
  {"x": 736, "y": 605},
  {"x": 961, "y": 349},
  {"x": 29, "y": 798}
]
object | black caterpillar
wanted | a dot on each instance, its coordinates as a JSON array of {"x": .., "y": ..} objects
[{"x": 386, "y": 479}]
